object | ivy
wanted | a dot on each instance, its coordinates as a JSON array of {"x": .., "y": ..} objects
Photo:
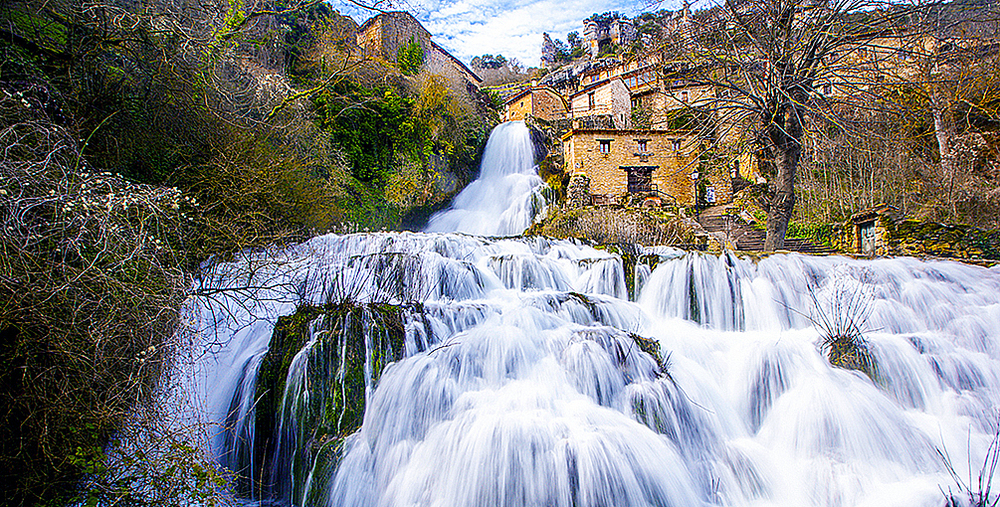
[{"x": 410, "y": 57}]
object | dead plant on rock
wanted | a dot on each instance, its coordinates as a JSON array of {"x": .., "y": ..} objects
[{"x": 840, "y": 315}]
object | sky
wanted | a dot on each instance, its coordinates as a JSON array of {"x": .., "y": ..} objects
[{"x": 513, "y": 28}]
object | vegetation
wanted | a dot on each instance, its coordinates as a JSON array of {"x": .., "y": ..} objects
[
  {"x": 410, "y": 57},
  {"x": 976, "y": 492},
  {"x": 840, "y": 318},
  {"x": 340, "y": 335},
  {"x": 601, "y": 225},
  {"x": 139, "y": 141}
]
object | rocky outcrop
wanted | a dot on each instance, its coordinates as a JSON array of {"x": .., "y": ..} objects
[
  {"x": 540, "y": 142},
  {"x": 333, "y": 351}
]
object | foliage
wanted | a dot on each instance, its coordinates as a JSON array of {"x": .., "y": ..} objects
[
  {"x": 489, "y": 61},
  {"x": 604, "y": 18},
  {"x": 370, "y": 125},
  {"x": 642, "y": 117},
  {"x": 410, "y": 57},
  {"x": 399, "y": 141},
  {"x": 90, "y": 282},
  {"x": 816, "y": 232}
]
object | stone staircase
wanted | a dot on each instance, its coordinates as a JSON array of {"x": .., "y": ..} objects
[{"x": 744, "y": 237}]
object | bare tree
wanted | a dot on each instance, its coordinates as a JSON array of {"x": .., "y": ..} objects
[{"x": 773, "y": 64}]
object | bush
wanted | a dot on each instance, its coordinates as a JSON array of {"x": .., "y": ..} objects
[
  {"x": 608, "y": 226},
  {"x": 840, "y": 319},
  {"x": 90, "y": 283}
]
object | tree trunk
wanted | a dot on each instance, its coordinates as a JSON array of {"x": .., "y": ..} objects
[
  {"x": 944, "y": 131},
  {"x": 787, "y": 145}
]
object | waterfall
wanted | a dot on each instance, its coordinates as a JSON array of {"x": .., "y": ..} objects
[
  {"x": 506, "y": 197},
  {"x": 443, "y": 369},
  {"x": 517, "y": 372}
]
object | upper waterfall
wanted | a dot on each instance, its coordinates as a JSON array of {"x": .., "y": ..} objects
[{"x": 506, "y": 197}]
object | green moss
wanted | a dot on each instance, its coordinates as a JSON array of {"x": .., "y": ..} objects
[{"x": 338, "y": 339}]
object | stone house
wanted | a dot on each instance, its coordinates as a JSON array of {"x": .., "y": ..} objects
[
  {"x": 538, "y": 101},
  {"x": 605, "y": 98},
  {"x": 381, "y": 37},
  {"x": 659, "y": 163}
]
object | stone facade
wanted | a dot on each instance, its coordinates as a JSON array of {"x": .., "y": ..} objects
[
  {"x": 538, "y": 102},
  {"x": 623, "y": 162},
  {"x": 381, "y": 37},
  {"x": 610, "y": 98}
]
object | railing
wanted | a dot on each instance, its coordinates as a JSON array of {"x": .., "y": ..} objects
[{"x": 663, "y": 195}]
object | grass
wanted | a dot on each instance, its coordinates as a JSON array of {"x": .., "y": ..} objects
[{"x": 974, "y": 492}]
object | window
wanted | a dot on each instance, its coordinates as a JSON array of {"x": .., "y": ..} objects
[
  {"x": 684, "y": 96},
  {"x": 642, "y": 145},
  {"x": 605, "y": 145},
  {"x": 827, "y": 89},
  {"x": 676, "y": 144},
  {"x": 590, "y": 100}
]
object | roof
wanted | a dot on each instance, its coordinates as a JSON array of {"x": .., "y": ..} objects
[
  {"x": 596, "y": 85},
  {"x": 574, "y": 131},
  {"x": 532, "y": 89},
  {"x": 886, "y": 210},
  {"x": 459, "y": 62}
]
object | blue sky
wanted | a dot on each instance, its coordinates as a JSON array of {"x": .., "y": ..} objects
[{"x": 513, "y": 28}]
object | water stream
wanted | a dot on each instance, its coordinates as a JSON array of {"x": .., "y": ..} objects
[{"x": 521, "y": 374}]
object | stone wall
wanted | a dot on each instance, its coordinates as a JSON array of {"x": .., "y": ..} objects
[
  {"x": 542, "y": 102},
  {"x": 548, "y": 105},
  {"x": 673, "y": 154},
  {"x": 610, "y": 99},
  {"x": 889, "y": 237},
  {"x": 381, "y": 36},
  {"x": 519, "y": 108}
]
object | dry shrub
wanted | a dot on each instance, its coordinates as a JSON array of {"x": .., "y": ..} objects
[
  {"x": 89, "y": 287},
  {"x": 840, "y": 315},
  {"x": 602, "y": 225},
  {"x": 253, "y": 193}
]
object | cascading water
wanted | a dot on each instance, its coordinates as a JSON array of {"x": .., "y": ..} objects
[
  {"x": 451, "y": 370},
  {"x": 506, "y": 197}
]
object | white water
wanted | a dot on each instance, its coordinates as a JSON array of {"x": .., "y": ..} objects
[
  {"x": 506, "y": 197},
  {"x": 522, "y": 387}
]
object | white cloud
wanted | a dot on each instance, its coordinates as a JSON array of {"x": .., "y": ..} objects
[{"x": 513, "y": 28}]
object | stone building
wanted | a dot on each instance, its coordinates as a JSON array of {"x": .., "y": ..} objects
[
  {"x": 538, "y": 101},
  {"x": 663, "y": 163},
  {"x": 381, "y": 37},
  {"x": 604, "y": 98}
]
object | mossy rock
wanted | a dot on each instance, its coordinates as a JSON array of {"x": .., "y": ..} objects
[{"x": 338, "y": 339}]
